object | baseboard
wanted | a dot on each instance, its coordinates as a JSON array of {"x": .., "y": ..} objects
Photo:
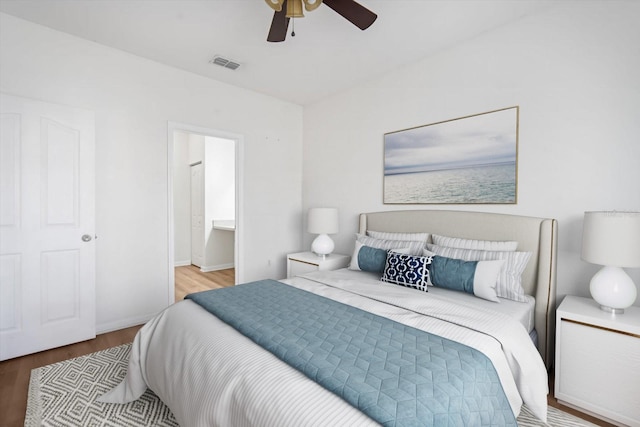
[
  {"x": 123, "y": 323},
  {"x": 182, "y": 263},
  {"x": 209, "y": 268}
]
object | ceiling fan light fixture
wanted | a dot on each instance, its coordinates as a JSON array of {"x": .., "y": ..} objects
[
  {"x": 350, "y": 10},
  {"x": 294, "y": 9},
  {"x": 310, "y": 5},
  {"x": 275, "y": 4}
]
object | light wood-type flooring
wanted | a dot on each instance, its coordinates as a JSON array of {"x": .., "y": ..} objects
[
  {"x": 15, "y": 373},
  {"x": 190, "y": 279}
]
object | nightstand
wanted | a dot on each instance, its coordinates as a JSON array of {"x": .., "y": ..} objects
[
  {"x": 597, "y": 367},
  {"x": 306, "y": 262}
]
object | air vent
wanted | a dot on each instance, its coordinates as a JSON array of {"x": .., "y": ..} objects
[{"x": 224, "y": 62}]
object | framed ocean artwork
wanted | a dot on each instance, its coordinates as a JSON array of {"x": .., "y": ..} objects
[{"x": 468, "y": 160}]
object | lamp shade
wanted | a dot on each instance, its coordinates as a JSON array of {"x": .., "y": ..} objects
[
  {"x": 611, "y": 238},
  {"x": 322, "y": 221}
]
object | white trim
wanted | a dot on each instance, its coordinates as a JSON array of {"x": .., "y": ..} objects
[
  {"x": 239, "y": 236},
  {"x": 125, "y": 323},
  {"x": 182, "y": 263},
  {"x": 209, "y": 268}
]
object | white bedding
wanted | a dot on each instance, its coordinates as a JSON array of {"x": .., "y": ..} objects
[
  {"x": 210, "y": 375},
  {"x": 524, "y": 312}
]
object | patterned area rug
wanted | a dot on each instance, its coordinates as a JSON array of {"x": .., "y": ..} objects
[{"x": 64, "y": 394}]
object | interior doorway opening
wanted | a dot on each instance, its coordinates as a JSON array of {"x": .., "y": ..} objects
[{"x": 204, "y": 208}]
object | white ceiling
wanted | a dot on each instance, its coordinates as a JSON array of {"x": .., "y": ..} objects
[{"x": 327, "y": 55}]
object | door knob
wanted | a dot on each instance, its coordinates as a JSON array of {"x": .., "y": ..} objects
[{"x": 86, "y": 238}]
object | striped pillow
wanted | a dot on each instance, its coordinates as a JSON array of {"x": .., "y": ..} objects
[
  {"x": 390, "y": 235},
  {"x": 510, "y": 279},
  {"x": 415, "y": 248},
  {"x": 483, "y": 245}
]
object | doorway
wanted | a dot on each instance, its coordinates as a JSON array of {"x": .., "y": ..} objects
[{"x": 204, "y": 201}]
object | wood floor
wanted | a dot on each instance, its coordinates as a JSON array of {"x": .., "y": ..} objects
[
  {"x": 190, "y": 279},
  {"x": 15, "y": 373}
]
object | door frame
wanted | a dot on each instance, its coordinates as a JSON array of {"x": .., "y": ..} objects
[{"x": 238, "y": 238}]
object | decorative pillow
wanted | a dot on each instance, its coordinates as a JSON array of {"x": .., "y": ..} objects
[
  {"x": 483, "y": 245},
  {"x": 478, "y": 278},
  {"x": 415, "y": 248},
  {"x": 389, "y": 235},
  {"x": 510, "y": 279},
  {"x": 407, "y": 270},
  {"x": 366, "y": 258}
]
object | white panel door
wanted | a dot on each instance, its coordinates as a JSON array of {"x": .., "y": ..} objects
[
  {"x": 47, "y": 249},
  {"x": 197, "y": 215}
]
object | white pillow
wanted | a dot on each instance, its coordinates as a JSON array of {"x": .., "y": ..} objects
[
  {"x": 482, "y": 245},
  {"x": 415, "y": 248},
  {"x": 486, "y": 279},
  {"x": 510, "y": 279},
  {"x": 390, "y": 235}
]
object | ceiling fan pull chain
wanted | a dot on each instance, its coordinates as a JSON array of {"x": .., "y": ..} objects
[{"x": 293, "y": 27}]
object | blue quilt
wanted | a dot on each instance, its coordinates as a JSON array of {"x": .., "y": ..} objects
[{"x": 395, "y": 374}]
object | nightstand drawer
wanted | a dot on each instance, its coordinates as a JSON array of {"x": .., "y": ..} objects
[
  {"x": 296, "y": 268},
  {"x": 598, "y": 360},
  {"x": 306, "y": 262},
  {"x": 600, "y": 370}
]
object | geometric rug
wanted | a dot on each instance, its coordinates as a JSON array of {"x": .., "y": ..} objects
[{"x": 64, "y": 394}]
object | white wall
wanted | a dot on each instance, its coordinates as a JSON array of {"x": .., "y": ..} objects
[
  {"x": 220, "y": 177},
  {"x": 219, "y": 183},
  {"x": 133, "y": 100},
  {"x": 188, "y": 149},
  {"x": 181, "y": 200},
  {"x": 573, "y": 70}
]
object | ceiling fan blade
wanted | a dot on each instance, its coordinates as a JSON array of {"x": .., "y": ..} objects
[
  {"x": 354, "y": 12},
  {"x": 279, "y": 25}
]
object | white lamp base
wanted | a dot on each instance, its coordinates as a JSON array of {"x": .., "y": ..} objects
[
  {"x": 613, "y": 289},
  {"x": 322, "y": 245}
]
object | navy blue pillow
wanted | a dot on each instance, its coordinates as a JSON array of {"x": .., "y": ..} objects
[{"x": 407, "y": 270}]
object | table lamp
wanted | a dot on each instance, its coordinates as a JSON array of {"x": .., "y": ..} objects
[
  {"x": 322, "y": 221},
  {"x": 612, "y": 239}
]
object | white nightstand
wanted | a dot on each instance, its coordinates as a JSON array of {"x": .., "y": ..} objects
[
  {"x": 306, "y": 262},
  {"x": 597, "y": 366}
]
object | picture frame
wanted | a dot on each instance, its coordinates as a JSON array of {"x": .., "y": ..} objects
[{"x": 466, "y": 160}]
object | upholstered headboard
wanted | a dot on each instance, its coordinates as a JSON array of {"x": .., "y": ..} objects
[{"x": 537, "y": 235}]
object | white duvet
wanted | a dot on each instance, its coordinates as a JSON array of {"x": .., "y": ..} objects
[{"x": 210, "y": 375}]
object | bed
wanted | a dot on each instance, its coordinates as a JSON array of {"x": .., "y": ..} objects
[{"x": 210, "y": 371}]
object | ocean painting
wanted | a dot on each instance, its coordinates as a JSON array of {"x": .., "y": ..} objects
[{"x": 472, "y": 159}]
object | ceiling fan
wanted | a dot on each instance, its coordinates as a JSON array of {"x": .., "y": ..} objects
[{"x": 352, "y": 11}]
